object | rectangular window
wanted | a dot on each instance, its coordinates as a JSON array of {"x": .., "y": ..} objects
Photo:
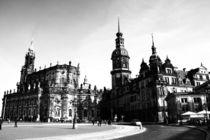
[
  {"x": 167, "y": 80},
  {"x": 184, "y": 100},
  {"x": 173, "y": 80},
  {"x": 197, "y": 100}
]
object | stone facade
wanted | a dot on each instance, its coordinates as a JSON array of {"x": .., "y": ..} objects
[
  {"x": 144, "y": 97},
  {"x": 48, "y": 94},
  {"x": 199, "y": 75},
  {"x": 180, "y": 103},
  {"x": 88, "y": 102}
]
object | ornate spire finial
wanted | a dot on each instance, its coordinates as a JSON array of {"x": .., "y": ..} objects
[
  {"x": 142, "y": 60},
  {"x": 31, "y": 44},
  {"x": 167, "y": 59},
  {"x": 118, "y": 24},
  {"x": 85, "y": 79},
  {"x": 201, "y": 64},
  {"x": 119, "y": 34},
  {"x": 153, "y": 45}
]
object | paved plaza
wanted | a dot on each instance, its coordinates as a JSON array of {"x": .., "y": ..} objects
[{"x": 64, "y": 131}]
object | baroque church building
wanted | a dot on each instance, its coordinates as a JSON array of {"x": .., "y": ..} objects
[
  {"x": 50, "y": 94},
  {"x": 144, "y": 97}
]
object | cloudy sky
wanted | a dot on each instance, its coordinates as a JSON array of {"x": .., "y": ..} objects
[{"x": 83, "y": 31}]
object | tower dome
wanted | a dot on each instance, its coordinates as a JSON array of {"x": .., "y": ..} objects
[{"x": 120, "y": 52}]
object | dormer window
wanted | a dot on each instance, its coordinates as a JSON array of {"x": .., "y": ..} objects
[{"x": 168, "y": 70}]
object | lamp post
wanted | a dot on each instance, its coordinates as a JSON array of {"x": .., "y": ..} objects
[{"x": 74, "y": 103}]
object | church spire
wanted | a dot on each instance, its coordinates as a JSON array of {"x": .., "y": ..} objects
[
  {"x": 153, "y": 46},
  {"x": 31, "y": 48},
  {"x": 119, "y": 34},
  {"x": 119, "y": 40},
  {"x": 118, "y": 25}
]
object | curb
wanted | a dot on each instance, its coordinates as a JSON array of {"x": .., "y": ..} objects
[
  {"x": 194, "y": 127},
  {"x": 201, "y": 129},
  {"x": 43, "y": 124}
]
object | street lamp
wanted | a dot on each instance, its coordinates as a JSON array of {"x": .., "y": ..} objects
[{"x": 74, "y": 103}]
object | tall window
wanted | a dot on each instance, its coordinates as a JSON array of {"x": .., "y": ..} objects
[
  {"x": 201, "y": 77},
  {"x": 57, "y": 112},
  {"x": 173, "y": 80},
  {"x": 85, "y": 113},
  {"x": 167, "y": 80},
  {"x": 168, "y": 70},
  {"x": 92, "y": 112},
  {"x": 70, "y": 112},
  {"x": 207, "y": 77}
]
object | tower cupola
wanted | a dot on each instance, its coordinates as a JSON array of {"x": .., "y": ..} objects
[{"x": 154, "y": 58}]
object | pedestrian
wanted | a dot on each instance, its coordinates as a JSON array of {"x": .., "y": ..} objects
[
  {"x": 100, "y": 122},
  {"x": 8, "y": 120},
  {"x": 1, "y": 121},
  {"x": 93, "y": 121},
  {"x": 15, "y": 122},
  {"x": 109, "y": 122}
]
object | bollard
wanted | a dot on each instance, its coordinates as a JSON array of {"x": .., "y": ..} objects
[
  {"x": 1, "y": 121},
  {"x": 139, "y": 124}
]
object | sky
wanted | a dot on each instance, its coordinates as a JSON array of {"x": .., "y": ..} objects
[{"x": 84, "y": 31}]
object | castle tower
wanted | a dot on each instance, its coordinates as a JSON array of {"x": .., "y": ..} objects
[
  {"x": 28, "y": 67},
  {"x": 120, "y": 62},
  {"x": 154, "y": 61}
]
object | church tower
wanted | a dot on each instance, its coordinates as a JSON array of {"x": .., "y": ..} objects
[
  {"x": 120, "y": 62},
  {"x": 28, "y": 67}
]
